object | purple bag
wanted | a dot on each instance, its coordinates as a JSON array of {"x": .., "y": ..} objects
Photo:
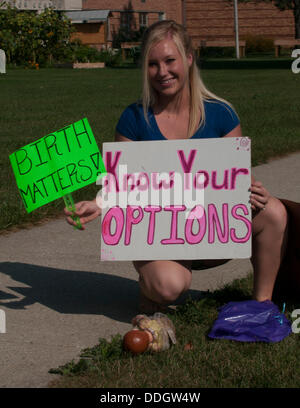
[{"x": 251, "y": 320}]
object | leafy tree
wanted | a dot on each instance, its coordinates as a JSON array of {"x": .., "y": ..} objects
[
  {"x": 127, "y": 35},
  {"x": 30, "y": 37}
]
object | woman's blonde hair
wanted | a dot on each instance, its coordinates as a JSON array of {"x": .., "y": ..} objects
[{"x": 198, "y": 92}]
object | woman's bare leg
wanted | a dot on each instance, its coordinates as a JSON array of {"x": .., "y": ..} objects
[
  {"x": 269, "y": 238},
  {"x": 162, "y": 282}
]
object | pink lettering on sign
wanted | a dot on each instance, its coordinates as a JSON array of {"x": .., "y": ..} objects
[
  {"x": 186, "y": 165},
  {"x": 198, "y": 179},
  {"x": 152, "y": 209},
  {"x": 215, "y": 179},
  {"x": 159, "y": 184},
  {"x": 128, "y": 180},
  {"x": 132, "y": 220},
  {"x": 214, "y": 223},
  {"x": 215, "y": 186},
  {"x": 143, "y": 181},
  {"x": 207, "y": 222},
  {"x": 111, "y": 165},
  {"x": 116, "y": 214},
  {"x": 173, "y": 235},
  {"x": 197, "y": 213},
  {"x": 234, "y": 173},
  {"x": 233, "y": 236}
]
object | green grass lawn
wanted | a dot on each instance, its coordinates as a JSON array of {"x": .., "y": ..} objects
[
  {"x": 35, "y": 103},
  {"x": 208, "y": 364}
]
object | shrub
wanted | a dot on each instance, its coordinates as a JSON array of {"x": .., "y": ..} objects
[
  {"x": 258, "y": 44},
  {"x": 85, "y": 53},
  {"x": 111, "y": 57},
  {"x": 127, "y": 35},
  {"x": 217, "y": 52},
  {"x": 135, "y": 54}
]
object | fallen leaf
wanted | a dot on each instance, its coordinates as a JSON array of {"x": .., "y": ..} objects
[{"x": 188, "y": 346}]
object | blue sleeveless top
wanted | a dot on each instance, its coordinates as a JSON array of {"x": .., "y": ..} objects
[{"x": 220, "y": 119}]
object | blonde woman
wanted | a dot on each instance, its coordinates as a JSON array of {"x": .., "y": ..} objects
[{"x": 177, "y": 105}]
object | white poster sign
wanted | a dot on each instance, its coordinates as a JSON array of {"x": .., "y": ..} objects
[{"x": 176, "y": 199}]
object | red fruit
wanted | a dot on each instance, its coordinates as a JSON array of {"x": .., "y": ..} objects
[{"x": 136, "y": 341}]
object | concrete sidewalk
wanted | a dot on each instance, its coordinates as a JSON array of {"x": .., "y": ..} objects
[{"x": 58, "y": 298}]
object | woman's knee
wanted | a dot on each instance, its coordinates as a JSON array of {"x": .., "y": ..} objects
[
  {"x": 164, "y": 281},
  {"x": 278, "y": 213},
  {"x": 274, "y": 216}
]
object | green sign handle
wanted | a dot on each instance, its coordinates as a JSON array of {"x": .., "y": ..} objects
[{"x": 68, "y": 199}]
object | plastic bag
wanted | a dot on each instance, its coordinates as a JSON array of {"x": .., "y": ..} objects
[{"x": 251, "y": 321}]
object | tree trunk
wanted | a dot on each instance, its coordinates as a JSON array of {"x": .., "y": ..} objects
[{"x": 297, "y": 18}]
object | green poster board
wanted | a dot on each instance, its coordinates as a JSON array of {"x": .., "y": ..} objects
[{"x": 57, "y": 164}]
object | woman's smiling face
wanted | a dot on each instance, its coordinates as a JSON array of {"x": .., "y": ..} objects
[{"x": 166, "y": 71}]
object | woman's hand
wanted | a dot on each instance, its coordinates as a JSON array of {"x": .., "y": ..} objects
[
  {"x": 86, "y": 211},
  {"x": 259, "y": 196}
]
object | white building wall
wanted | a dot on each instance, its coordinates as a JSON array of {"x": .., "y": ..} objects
[{"x": 42, "y": 4}]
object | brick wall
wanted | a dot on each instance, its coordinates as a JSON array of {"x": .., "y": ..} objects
[
  {"x": 171, "y": 8},
  {"x": 214, "y": 19},
  {"x": 205, "y": 19}
]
